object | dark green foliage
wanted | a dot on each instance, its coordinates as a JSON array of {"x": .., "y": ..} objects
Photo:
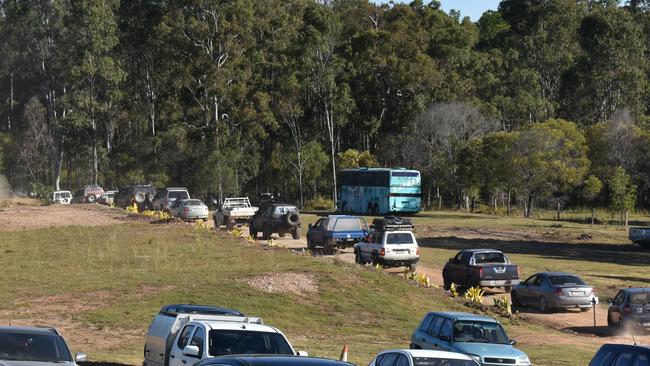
[{"x": 241, "y": 97}]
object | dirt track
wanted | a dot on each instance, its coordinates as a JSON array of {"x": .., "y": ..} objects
[{"x": 35, "y": 217}]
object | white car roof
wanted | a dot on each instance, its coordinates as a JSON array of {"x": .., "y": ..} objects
[
  {"x": 236, "y": 326},
  {"x": 432, "y": 354}
]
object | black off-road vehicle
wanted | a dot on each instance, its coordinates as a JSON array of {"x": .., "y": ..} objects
[{"x": 272, "y": 217}]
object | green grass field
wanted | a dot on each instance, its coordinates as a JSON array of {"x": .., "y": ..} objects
[{"x": 102, "y": 286}]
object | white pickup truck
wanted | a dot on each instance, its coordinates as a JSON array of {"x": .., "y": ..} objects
[{"x": 234, "y": 211}]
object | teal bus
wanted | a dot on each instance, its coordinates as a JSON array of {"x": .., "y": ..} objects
[{"x": 379, "y": 191}]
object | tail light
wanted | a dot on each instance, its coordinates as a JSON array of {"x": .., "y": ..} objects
[
  {"x": 518, "y": 274},
  {"x": 186, "y": 209},
  {"x": 382, "y": 252},
  {"x": 480, "y": 272},
  {"x": 627, "y": 309},
  {"x": 417, "y": 251},
  {"x": 558, "y": 291},
  {"x": 592, "y": 294}
]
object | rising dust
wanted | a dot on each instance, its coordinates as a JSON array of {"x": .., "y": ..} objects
[{"x": 5, "y": 188}]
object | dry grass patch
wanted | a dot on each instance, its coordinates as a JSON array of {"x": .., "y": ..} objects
[{"x": 285, "y": 283}]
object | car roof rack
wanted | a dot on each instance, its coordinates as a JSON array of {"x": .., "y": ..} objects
[
  {"x": 175, "y": 309},
  {"x": 392, "y": 223}
]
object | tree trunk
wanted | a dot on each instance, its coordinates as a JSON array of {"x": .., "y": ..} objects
[
  {"x": 627, "y": 218},
  {"x": 59, "y": 166},
  {"x": 508, "y": 202},
  {"x": 329, "y": 120},
  {"x": 558, "y": 211},
  {"x": 11, "y": 101},
  {"x": 592, "y": 215},
  {"x": 95, "y": 158},
  {"x": 529, "y": 205}
]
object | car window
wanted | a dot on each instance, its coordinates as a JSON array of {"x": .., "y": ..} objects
[
  {"x": 319, "y": 223},
  {"x": 198, "y": 340},
  {"x": 457, "y": 257},
  {"x": 226, "y": 342},
  {"x": 346, "y": 224},
  {"x": 624, "y": 358},
  {"x": 640, "y": 298},
  {"x": 402, "y": 361},
  {"x": 489, "y": 257},
  {"x": 566, "y": 280},
  {"x": 426, "y": 323},
  {"x": 435, "y": 326},
  {"x": 425, "y": 361},
  {"x": 530, "y": 280},
  {"x": 399, "y": 238},
  {"x": 465, "y": 257},
  {"x": 185, "y": 336},
  {"x": 538, "y": 281},
  {"x": 446, "y": 329},
  {"x": 604, "y": 357},
  {"x": 618, "y": 300},
  {"x": 479, "y": 332},
  {"x": 176, "y": 195},
  {"x": 378, "y": 238},
  {"x": 388, "y": 359},
  {"x": 33, "y": 348},
  {"x": 641, "y": 360}
]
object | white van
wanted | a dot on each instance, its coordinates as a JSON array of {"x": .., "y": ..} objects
[
  {"x": 182, "y": 335},
  {"x": 62, "y": 197}
]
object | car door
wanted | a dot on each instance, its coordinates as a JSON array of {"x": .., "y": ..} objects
[
  {"x": 535, "y": 290},
  {"x": 615, "y": 310},
  {"x": 445, "y": 335},
  {"x": 523, "y": 291},
  {"x": 419, "y": 337},
  {"x": 431, "y": 341},
  {"x": 316, "y": 233},
  {"x": 176, "y": 356}
]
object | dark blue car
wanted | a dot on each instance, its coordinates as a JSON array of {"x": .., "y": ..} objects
[{"x": 336, "y": 232}]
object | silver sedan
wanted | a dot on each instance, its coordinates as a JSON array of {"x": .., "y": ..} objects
[
  {"x": 553, "y": 290},
  {"x": 190, "y": 209}
]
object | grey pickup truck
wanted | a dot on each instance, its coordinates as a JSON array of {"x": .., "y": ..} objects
[
  {"x": 480, "y": 267},
  {"x": 640, "y": 236}
]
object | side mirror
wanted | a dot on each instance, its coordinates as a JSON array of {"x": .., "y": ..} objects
[
  {"x": 610, "y": 300},
  {"x": 309, "y": 226},
  {"x": 80, "y": 357},
  {"x": 191, "y": 351},
  {"x": 451, "y": 260},
  {"x": 302, "y": 353},
  {"x": 512, "y": 342}
]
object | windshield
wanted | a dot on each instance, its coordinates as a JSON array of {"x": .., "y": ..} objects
[
  {"x": 640, "y": 298},
  {"x": 489, "y": 257},
  {"x": 479, "y": 332},
  {"x": 347, "y": 224},
  {"x": 174, "y": 195},
  {"x": 566, "y": 280},
  {"x": 426, "y": 361},
  {"x": 399, "y": 238},
  {"x": 228, "y": 342},
  {"x": 33, "y": 347},
  {"x": 59, "y": 195}
]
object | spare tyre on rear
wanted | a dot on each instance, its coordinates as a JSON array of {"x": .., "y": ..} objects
[{"x": 292, "y": 218}]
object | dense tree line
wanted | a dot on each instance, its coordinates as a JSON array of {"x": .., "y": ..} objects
[{"x": 541, "y": 102}]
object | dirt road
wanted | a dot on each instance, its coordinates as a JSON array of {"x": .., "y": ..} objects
[{"x": 35, "y": 217}]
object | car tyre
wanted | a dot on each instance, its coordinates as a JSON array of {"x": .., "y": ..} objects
[
  {"x": 508, "y": 289},
  {"x": 357, "y": 257},
  {"x": 91, "y": 198},
  {"x": 543, "y": 304},
  {"x": 295, "y": 233},
  {"x": 446, "y": 284},
  {"x": 412, "y": 267},
  {"x": 267, "y": 232},
  {"x": 584, "y": 310},
  {"x": 252, "y": 231},
  {"x": 375, "y": 259}
]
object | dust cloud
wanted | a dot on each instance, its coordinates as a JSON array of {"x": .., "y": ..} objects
[{"x": 5, "y": 188}]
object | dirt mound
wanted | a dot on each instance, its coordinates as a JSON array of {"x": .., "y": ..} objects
[
  {"x": 34, "y": 217},
  {"x": 285, "y": 282}
]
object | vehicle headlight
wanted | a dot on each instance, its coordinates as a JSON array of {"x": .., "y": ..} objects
[
  {"x": 523, "y": 361},
  {"x": 475, "y": 357}
]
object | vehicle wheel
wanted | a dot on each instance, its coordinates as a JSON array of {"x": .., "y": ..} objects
[
  {"x": 328, "y": 248},
  {"x": 584, "y": 310},
  {"x": 610, "y": 322},
  {"x": 218, "y": 220},
  {"x": 514, "y": 299},
  {"x": 139, "y": 198},
  {"x": 375, "y": 259},
  {"x": 91, "y": 198},
  {"x": 205, "y": 219},
  {"x": 508, "y": 289},
  {"x": 412, "y": 267},
  {"x": 266, "y": 232},
  {"x": 308, "y": 242},
  {"x": 446, "y": 284},
  {"x": 229, "y": 224},
  {"x": 252, "y": 230},
  {"x": 296, "y": 233},
  {"x": 357, "y": 257},
  {"x": 543, "y": 304}
]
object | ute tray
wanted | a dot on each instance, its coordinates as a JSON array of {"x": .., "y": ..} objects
[{"x": 392, "y": 223}]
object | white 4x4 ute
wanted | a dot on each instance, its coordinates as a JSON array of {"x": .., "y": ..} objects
[{"x": 391, "y": 243}]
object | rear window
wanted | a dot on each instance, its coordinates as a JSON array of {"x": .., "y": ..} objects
[
  {"x": 193, "y": 203},
  {"x": 229, "y": 342},
  {"x": 399, "y": 238},
  {"x": 489, "y": 257},
  {"x": 425, "y": 361},
  {"x": 566, "y": 280},
  {"x": 640, "y": 298},
  {"x": 174, "y": 195},
  {"x": 346, "y": 224}
]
